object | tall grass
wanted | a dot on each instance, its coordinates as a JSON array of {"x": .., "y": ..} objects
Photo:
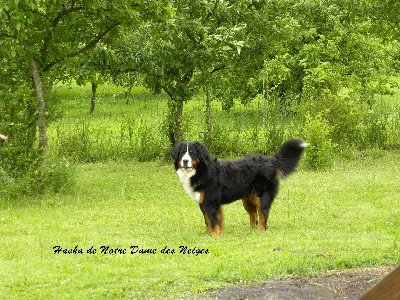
[
  {"x": 115, "y": 131},
  {"x": 90, "y": 140},
  {"x": 136, "y": 131}
]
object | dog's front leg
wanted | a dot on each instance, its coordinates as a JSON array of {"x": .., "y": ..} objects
[
  {"x": 206, "y": 220},
  {"x": 214, "y": 219}
]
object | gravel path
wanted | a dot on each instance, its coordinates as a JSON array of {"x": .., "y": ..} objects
[{"x": 347, "y": 285}]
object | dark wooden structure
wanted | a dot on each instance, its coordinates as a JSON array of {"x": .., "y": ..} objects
[{"x": 386, "y": 289}]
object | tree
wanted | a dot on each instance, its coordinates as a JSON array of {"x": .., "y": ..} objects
[
  {"x": 203, "y": 40},
  {"x": 125, "y": 60},
  {"x": 38, "y": 37},
  {"x": 91, "y": 67},
  {"x": 385, "y": 18},
  {"x": 311, "y": 51},
  {"x": 384, "y": 14}
]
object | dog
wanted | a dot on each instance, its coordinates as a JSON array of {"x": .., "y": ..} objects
[{"x": 253, "y": 178}]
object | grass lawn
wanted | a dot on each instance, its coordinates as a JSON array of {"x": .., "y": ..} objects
[{"x": 321, "y": 221}]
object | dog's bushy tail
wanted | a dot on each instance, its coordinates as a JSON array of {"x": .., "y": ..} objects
[{"x": 288, "y": 156}]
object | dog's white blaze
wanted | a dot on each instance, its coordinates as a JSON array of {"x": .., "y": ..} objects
[
  {"x": 184, "y": 177},
  {"x": 187, "y": 157}
]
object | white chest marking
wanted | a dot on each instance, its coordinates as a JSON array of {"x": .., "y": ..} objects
[{"x": 184, "y": 177}]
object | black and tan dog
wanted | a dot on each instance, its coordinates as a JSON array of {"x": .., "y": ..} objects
[{"x": 254, "y": 179}]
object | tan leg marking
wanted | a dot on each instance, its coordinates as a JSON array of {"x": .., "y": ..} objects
[
  {"x": 201, "y": 199},
  {"x": 207, "y": 221},
  {"x": 252, "y": 204},
  {"x": 219, "y": 228},
  {"x": 251, "y": 210}
]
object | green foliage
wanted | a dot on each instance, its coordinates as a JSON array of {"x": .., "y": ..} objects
[
  {"x": 137, "y": 131},
  {"x": 19, "y": 155},
  {"x": 9, "y": 187},
  {"x": 355, "y": 124},
  {"x": 98, "y": 141},
  {"x": 385, "y": 14},
  {"x": 317, "y": 132},
  {"x": 237, "y": 142},
  {"x": 221, "y": 42},
  {"x": 55, "y": 175},
  {"x": 372, "y": 131},
  {"x": 392, "y": 121}
]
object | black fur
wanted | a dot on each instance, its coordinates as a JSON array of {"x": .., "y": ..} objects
[{"x": 254, "y": 179}]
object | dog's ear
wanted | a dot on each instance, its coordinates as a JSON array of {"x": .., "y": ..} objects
[
  {"x": 202, "y": 152},
  {"x": 206, "y": 164},
  {"x": 175, "y": 152}
]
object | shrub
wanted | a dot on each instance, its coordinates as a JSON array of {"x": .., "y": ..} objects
[
  {"x": 9, "y": 187},
  {"x": 372, "y": 131},
  {"x": 252, "y": 128},
  {"x": 393, "y": 126},
  {"x": 149, "y": 142},
  {"x": 317, "y": 133},
  {"x": 54, "y": 175},
  {"x": 123, "y": 139}
]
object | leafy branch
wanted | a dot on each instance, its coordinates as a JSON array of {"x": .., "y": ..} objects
[
  {"x": 64, "y": 12},
  {"x": 85, "y": 48}
]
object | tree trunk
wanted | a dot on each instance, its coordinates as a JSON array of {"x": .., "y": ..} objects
[
  {"x": 176, "y": 107},
  {"x": 93, "y": 99},
  {"x": 128, "y": 94},
  {"x": 178, "y": 122},
  {"x": 265, "y": 95},
  {"x": 174, "y": 122},
  {"x": 157, "y": 87},
  {"x": 42, "y": 123},
  {"x": 31, "y": 131},
  {"x": 208, "y": 111}
]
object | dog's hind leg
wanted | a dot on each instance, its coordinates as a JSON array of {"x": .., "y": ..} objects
[
  {"x": 251, "y": 208},
  {"x": 266, "y": 200},
  {"x": 263, "y": 212}
]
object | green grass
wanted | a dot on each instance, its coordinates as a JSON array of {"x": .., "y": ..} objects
[
  {"x": 321, "y": 221},
  {"x": 344, "y": 218}
]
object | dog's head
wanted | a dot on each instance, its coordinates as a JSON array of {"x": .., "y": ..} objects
[{"x": 190, "y": 155}]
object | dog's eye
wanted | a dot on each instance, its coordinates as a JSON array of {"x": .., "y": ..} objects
[{"x": 190, "y": 151}]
